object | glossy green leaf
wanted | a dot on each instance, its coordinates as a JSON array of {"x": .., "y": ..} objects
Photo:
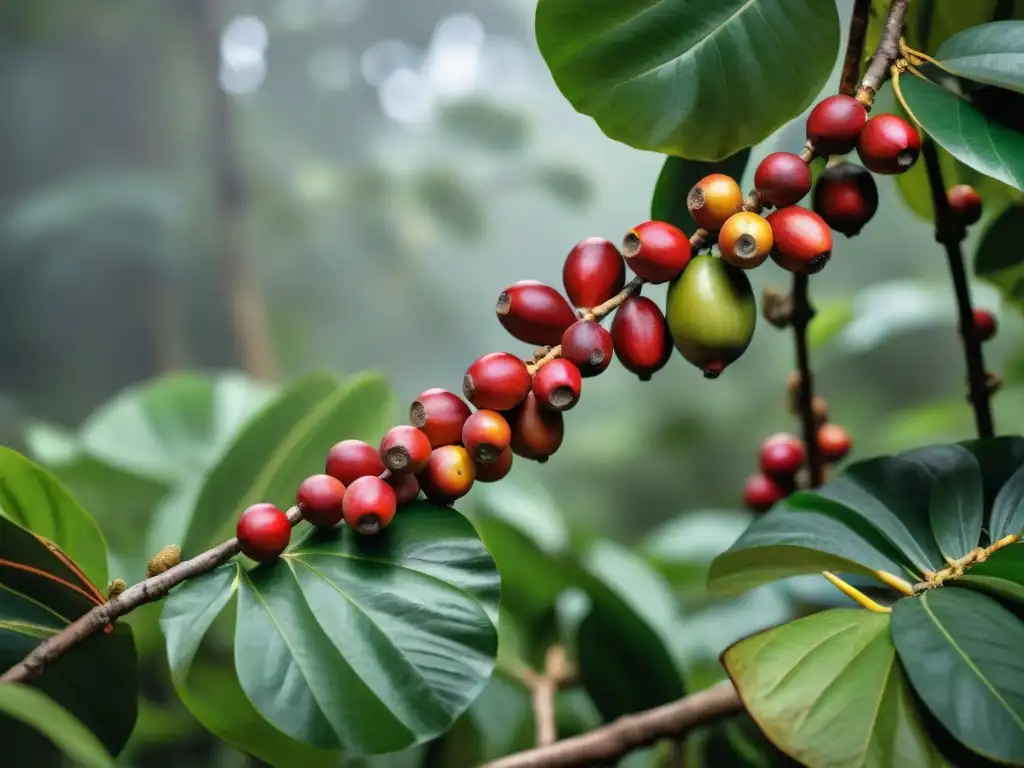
[
  {"x": 34, "y": 499},
  {"x": 1002, "y": 574},
  {"x": 38, "y": 711},
  {"x": 678, "y": 177},
  {"x": 338, "y": 643},
  {"x": 1000, "y": 458},
  {"x": 999, "y": 260},
  {"x": 988, "y": 53},
  {"x": 828, "y": 691},
  {"x": 1008, "y": 509},
  {"x": 658, "y": 75},
  {"x": 957, "y": 503},
  {"x": 961, "y": 651}
]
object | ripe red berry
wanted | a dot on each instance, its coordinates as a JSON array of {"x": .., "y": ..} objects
[
  {"x": 351, "y": 459},
  {"x": 534, "y": 312},
  {"x": 320, "y": 498},
  {"x": 557, "y": 385},
  {"x": 965, "y": 202},
  {"x": 369, "y": 505},
  {"x": 406, "y": 488},
  {"x": 641, "y": 337},
  {"x": 835, "y": 123},
  {"x": 486, "y": 435},
  {"x": 497, "y": 469},
  {"x": 846, "y": 197},
  {"x": 537, "y": 432},
  {"x": 593, "y": 272},
  {"x": 745, "y": 240},
  {"x": 984, "y": 324},
  {"x": 833, "y": 442},
  {"x": 587, "y": 345},
  {"x": 405, "y": 449},
  {"x": 497, "y": 381},
  {"x": 713, "y": 200},
  {"x": 439, "y": 414},
  {"x": 782, "y": 455},
  {"x": 782, "y": 179},
  {"x": 761, "y": 492},
  {"x": 449, "y": 474},
  {"x": 803, "y": 241},
  {"x": 263, "y": 532},
  {"x": 656, "y": 251},
  {"x": 888, "y": 144}
]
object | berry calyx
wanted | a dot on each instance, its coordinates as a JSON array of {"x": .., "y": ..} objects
[
  {"x": 835, "y": 124},
  {"x": 439, "y": 414},
  {"x": 846, "y": 197},
  {"x": 888, "y": 144},
  {"x": 641, "y": 337},
  {"x": 537, "y": 432},
  {"x": 497, "y": 469},
  {"x": 656, "y": 251},
  {"x": 370, "y": 505},
  {"x": 406, "y": 488},
  {"x": 319, "y": 498},
  {"x": 497, "y": 381},
  {"x": 449, "y": 474},
  {"x": 263, "y": 532},
  {"x": 588, "y": 345},
  {"x": 713, "y": 200},
  {"x": 834, "y": 442},
  {"x": 593, "y": 272},
  {"x": 745, "y": 240},
  {"x": 557, "y": 385},
  {"x": 405, "y": 450},
  {"x": 803, "y": 241},
  {"x": 760, "y": 492},
  {"x": 985, "y": 325},
  {"x": 352, "y": 459},
  {"x": 485, "y": 435},
  {"x": 782, "y": 179},
  {"x": 534, "y": 312},
  {"x": 782, "y": 455},
  {"x": 965, "y": 202}
]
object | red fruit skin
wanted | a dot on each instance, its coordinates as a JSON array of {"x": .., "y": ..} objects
[
  {"x": 497, "y": 381},
  {"x": 833, "y": 442},
  {"x": 588, "y": 345},
  {"x": 405, "y": 450},
  {"x": 985, "y": 325},
  {"x": 557, "y": 385},
  {"x": 782, "y": 455},
  {"x": 486, "y": 435},
  {"x": 406, "y": 488},
  {"x": 320, "y": 498},
  {"x": 835, "y": 124},
  {"x": 449, "y": 474},
  {"x": 352, "y": 459},
  {"x": 369, "y": 505},
  {"x": 965, "y": 202},
  {"x": 782, "y": 179},
  {"x": 846, "y": 197},
  {"x": 534, "y": 312},
  {"x": 497, "y": 469},
  {"x": 888, "y": 145},
  {"x": 537, "y": 432},
  {"x": 656, "y": 251},
  {"x": 641, "y": 337},
  {"x": 803, "y": 241},
  {"x": 761, "y": 492},
  {"x": 439, "y": 414},
  {"x": 263, "y": 532},
  {"x": 593, "y": 272}
]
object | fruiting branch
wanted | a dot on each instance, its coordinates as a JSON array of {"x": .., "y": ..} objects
[
  {"x": 887, "y": 52},
  {"x": 800, "y": 318},
  {"x": 855, "y": 46}
]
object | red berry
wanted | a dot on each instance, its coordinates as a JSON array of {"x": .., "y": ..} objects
[
  {"x": 369, "y": 505},
  {"x": 641, "y": 337},
  {"x": 593, "y": 272},
  {"x": 782, "y": 455},
  {"x": 835, "y": 123},
  {"x": 833, "y": 442},
  {"x": 782, "y": 179},
  {"x": 587, "y": 345},
  {"x": 557, "y": 385},
  {"x": 803, "y": 241},
  {"x": 486, "y": 435},
  {"x": 965, "y": 202},
  {"x": 846, "y": 197},
  {"x": 320, "y": 498},
  {"x": 656, "y": 251},
  {"x": 497, "y": 469},
  {"x": 497, "y": 381},
  {"x": 713, "y": 200},
  {"x": 405, "y": 450},
  {"x": 263, "y": 532},
  {"x": 761, "y": 492},
  {"x": 984, "y": 324},
  {"x": 537, "y": 432},
  {"x": 888, "y": 144},
  {"x": 449, "y": 474},
  {"x": 534, "y": 312},
  {"x": 439, "y": 414},
  {"x": 351, "y": 459},
  {"x": 406, "y": 488}
]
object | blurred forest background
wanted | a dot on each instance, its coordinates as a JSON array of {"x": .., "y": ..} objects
[{"x": 282, "y": 186}]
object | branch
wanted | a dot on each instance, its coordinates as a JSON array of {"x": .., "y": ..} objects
[
  {"x": 855, "y": 46},
  {"x": 887, "y": 52},
  {"x": 801, "y": 317}
]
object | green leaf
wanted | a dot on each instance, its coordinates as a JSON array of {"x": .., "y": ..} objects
[
  {"x": 961, "y": 651},
  {"x": 337, "y": 642},
  {"x": 830, "y": 319},
  {"x": 33, "y": 499},
  {"x": 60, "y": 727},
  {"x": 678, "y": 177},
  {"x": 988, "y": 53},
  {"x": 1008, "y": 509},
  {"x": 999, "y": 458},
  {"x": 998, "y": 259},
  {"x": 691, "y": 78},
  {"x": 1001, "y": 574},
  {"x": 283, "y": 444},
  {"x": 795, "y": 680},
  {"x": 957, "y": 502}
]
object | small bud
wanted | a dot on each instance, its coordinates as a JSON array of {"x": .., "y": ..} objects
[{"x": 168, "y": 557}]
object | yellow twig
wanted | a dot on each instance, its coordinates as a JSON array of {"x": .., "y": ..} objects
[
  {"x": 917, "y": 58},
  {"x": 900, "y": 585},
  {"x": 855, "y": 594}
]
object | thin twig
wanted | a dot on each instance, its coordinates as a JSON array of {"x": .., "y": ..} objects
[
  {"x": 803, "y": 312},
  {"x": 855, "y": 46},
  {"x": 887, "y": 52}
]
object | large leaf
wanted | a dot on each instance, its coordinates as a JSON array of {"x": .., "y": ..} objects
[
  {"x": 961, "y": 651},
  {"x": 365, "y": 645},
  {"x": 61, "y": 728},
  {"x": 677, "y": 178},
  {"x": 691, "y": 78},
  {"x": 1008, "y": 509},
  {"x": 1000, "y": 458},
  {"x": 999, "y": 259},
  {"x": 957, "y": 502},
  {"x": 828, "y": 691},
  {"x": 988, "y": 53}
]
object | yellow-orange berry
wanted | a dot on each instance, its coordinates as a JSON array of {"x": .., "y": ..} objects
[
  {"x": 745, "y": 240},
  {"x": 713, "y": 200}
]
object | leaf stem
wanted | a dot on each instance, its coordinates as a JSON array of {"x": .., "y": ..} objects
[
  {"x": 50, "y": 577},
  {"x": 855, "y": 594}
]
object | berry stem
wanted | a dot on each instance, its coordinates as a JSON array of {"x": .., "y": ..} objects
[{"x": 803, "y": 313}]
